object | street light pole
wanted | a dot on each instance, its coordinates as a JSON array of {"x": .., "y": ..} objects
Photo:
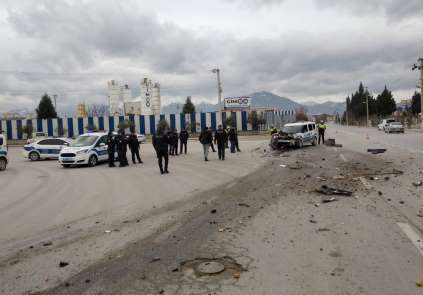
[
  {"x": 367, "y": 106},
  {"x": 55, "y": 98},
  {"x": 219, "y": 87},
  {"x": 420, "y": 67}
]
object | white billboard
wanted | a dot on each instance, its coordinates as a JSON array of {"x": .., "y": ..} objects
[{"x": 241, "y": 102}]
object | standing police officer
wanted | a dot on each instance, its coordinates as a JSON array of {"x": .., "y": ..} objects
[
  {"x": 183, "y": 138},
  {"x": 220, "y": 138},
  {"x": 134, "y": 145},
  {"x": 322, "y": 128},
  {"x": 122, "y": 148},
  {"x": 206, "y": 139},
  {"x": 161, "y": 145},
  {"x": 111, "y": 147}
]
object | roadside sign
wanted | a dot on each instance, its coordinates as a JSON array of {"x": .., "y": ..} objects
[{"x": 241, "y": 102}]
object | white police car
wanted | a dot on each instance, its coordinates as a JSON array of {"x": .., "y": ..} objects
[
  {"x": 87, "y": 149},
  {"x": 45, "y": 148},
  {"x": 3, "y": 153}
]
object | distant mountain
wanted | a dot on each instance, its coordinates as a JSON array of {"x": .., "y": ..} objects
[
  {"x": 329, "y": 107},
  {"x": 267, "y": 99}
]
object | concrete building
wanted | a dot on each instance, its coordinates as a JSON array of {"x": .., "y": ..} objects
[
  {"x": 117, "y": 96},
  {"x": 122, "y": 103}
]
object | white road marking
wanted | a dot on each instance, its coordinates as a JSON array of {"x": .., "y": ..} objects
[
  {"x": 412, "y": 235},
  {"x": 343, "y": 158}
]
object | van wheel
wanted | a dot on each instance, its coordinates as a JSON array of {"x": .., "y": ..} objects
[
  {"x": 92, "y": 161},
  {"x": 34, "y": 156},
  {"x": 3, "y": 164},
  {"x": 314, "y": 142}
]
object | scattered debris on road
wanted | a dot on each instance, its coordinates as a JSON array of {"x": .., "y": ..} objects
[
  {"x": 326, "y": 190},
  {"x": 328, "y": 199},
  {"x": 376, "y": 151},
  {"x": 219, "y": 268},
  {"x": 418, "y": 183},
  {"x": 46, "y": 244},
  {"x": 213, "y": 211},
  {"x": 419, "y": 283},
  {"x": 420, "y": 212},
  {"x": 243, "y": 205},
  {"x": 63, "y": 264}
]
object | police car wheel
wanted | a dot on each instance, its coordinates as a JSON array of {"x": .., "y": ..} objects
[
  {"x": 33, "y": 156},
  {"x": 3, "y": 164},
  {"x": 92, "y": 161}
]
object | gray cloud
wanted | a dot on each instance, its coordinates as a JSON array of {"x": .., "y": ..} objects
[
  {"x": 393, "y": 9},
  {"x": 73, "y": 49}
]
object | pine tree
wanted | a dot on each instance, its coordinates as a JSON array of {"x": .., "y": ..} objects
[
  {"x": 385, "y": 103},
  {"x": 45, "y": 108},
  {"x": 416, "y": 103},
  {"x": 358, "y": 106},
  {"x": 188, "y": 106}
]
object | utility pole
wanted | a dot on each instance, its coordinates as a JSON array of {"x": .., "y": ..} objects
[
  {"x": 367, "y": 106},
  {"x": 420, "y": 67},
  {"x": 55, "y": 98},
  {"x": 219, "y": 87}
]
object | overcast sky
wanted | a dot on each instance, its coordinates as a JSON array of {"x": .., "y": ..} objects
[{"x": 307, "y": 50}]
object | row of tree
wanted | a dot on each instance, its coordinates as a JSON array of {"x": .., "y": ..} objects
[{"x": 383, "y": 105}]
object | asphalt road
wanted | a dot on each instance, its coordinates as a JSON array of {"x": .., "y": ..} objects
[
  {"x": 42, "y": 202},
  {"x": 266, "y": 224}
]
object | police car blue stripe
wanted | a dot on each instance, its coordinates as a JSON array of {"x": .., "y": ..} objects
[
  {"x": 49, "y": 151},
  {"x": 28, "y": 148},
  {"x": 3, "y": 153},
  {"x": 244, "y": 121}
]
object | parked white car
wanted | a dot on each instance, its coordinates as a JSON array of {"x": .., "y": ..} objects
[
  {"x": 3, "y": 153},
  {"x": 87, "y": 149},
  {"x": 394, "y": 127},
  {"x": 36, "y": 136},
  {"x": 46, "y": 148},
  {"x": 384, "y": 123}
]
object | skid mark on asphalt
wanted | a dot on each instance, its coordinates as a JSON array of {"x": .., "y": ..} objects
[{"x": 412, "y": 235}]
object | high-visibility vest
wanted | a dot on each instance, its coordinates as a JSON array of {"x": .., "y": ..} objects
[{"x": 321, "y": 126}]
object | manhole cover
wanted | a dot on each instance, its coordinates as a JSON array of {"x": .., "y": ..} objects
[{"x": 210, "y": 268}]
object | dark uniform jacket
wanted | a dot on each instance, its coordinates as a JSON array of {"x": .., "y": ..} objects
[
  {"x": 206, "y": 137},
  {"x": 183, "y": 136},
  {"x": 220, "y": 137},
  {"x": 232, "y": 135},
  {"x": 161, "y": 143},
  {"x": 133, "y": 142}
]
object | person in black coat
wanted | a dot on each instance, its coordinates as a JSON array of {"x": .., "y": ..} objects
[
  {"x": 134, "y": 145},
  {"x": 206, "y": 139},
  {"x": 161, "y": 145},
  {"x": 111, "y": 148},
  {"x": 232, "y": 139},
  {"x": 122, "y": 143},
  {"x": 183, "y": 138},
  {"x": 220, "y": 139},
  {"x": 175, "y": 141}
]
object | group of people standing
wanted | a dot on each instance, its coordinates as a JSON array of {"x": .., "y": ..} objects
[
  {"x": 165, "y": 143},
  {"x": 221, "y": 138},
  {"x": 119, "y": 142}
]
